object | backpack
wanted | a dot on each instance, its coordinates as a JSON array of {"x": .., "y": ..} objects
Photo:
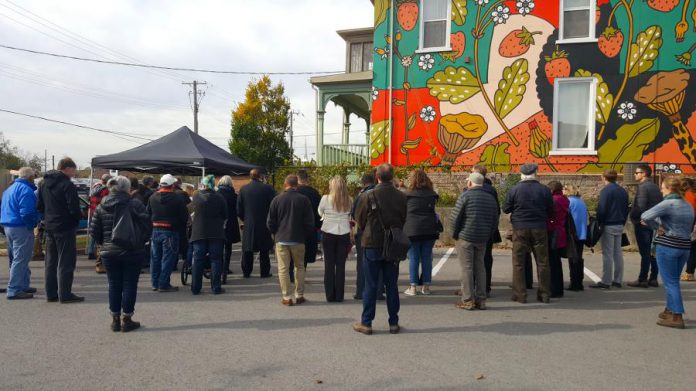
[
  {"x": 396, "y": 243},
  {"x": 129, "y": 232}
]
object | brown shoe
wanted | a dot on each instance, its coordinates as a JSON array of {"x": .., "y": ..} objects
[
  {"x": 638, "y": 284},
  {"x": 522, "y": 300},
  {"x": 100, "y": 268},
  {"x": 361, "y": 328},
  {"x": 468, "y": 305},
  {"x": 300, "y": 300},
  {"x": 675, "y": 321},
  {"x": 394, "y": 329},
  {"x": 481, "y": 305},
  {"x": 665, "y": 314},
  {"x": 287, "y": 302}
]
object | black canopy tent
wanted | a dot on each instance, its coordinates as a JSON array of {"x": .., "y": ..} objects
[{"x": 181, "y": 152}]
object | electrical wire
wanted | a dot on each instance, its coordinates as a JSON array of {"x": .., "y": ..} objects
[
  {"x": 111, "y": 132},
  {"x": 162, "y": 67}
]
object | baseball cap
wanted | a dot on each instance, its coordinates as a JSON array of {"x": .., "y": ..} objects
[{"x": 167, "y": 180}]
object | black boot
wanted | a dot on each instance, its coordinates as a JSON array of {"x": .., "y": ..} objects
[
  {"x": 116, "y": 323},
  {"x": 128, "y": 324}
]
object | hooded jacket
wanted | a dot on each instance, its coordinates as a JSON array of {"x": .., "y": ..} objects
[
  {"x": 105, "y": 217},
  {"x": 59, "y": 202},
  {"x": 19, "y": 205},
  {"x": 168, "y": 211}
]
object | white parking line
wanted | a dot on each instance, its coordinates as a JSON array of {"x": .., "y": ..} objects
[
  {"x": 442, "y": 261},
  {"x": 589, "y": 273}
]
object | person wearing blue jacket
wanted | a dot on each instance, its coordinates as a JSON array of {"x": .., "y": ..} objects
[
  {"x": 578, "y": 209},
  {"x": 19, "y": 217},
  {"x": 612, "y": 213}
]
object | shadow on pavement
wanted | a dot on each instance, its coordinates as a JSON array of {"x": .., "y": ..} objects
[
  {"x": 522, "y": 328},
  {"x": 257, "y": 324}
]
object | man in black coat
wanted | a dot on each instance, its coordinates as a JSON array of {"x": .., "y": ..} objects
[
  {"x": 531, "y": 205},
  {"x": 290, "y": 220},
  {"x": 647, "y": 195},
  {"x": 252, "y": 207},
  {"x": 308, "y": 191},
  {"x": 226, "y": 189},
  {"x": 368, "y": 183},
  {"x": 60, "y": 205}
]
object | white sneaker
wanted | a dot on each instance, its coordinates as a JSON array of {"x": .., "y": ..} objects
[
  {"x": 426, "y": 290},
  {"x": 411, "y": 291}
]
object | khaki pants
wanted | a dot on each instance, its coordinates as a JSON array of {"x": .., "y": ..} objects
[{"x": 284, "y": 255}]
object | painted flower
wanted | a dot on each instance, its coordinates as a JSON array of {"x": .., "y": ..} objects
[
  {"x": 427, "y": 114},
  {"x": 375, "y": 93},
  {"x": 501, "y": 14},
  {"x": 406, "y": 61},
  {"x": 684, "y": 58},
  {"x": 525, "y": 7},
  {"x": 382, "y": 52},
  {"x": 426, "y": 62},
  {"x": 481, "y": 2},
  {"x": 671, "y": 168},
  {"x": 627, "y": 110}
]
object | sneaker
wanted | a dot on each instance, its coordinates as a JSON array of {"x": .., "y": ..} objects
[
  {"x": 616, "y": 285},
  {"x": 468, "y": 305},
  {"x": 638, "y": 284},
  {"x": 411, "y": 291},
  {"x": 688, "y": 277},
  {"x": 394, "y": 329},
  {"x": 425, "y": 290},
  {"x": 155, "y": 289},
  {"x": 653, "y": 284},
  {"x": 72, "y": 299},
  {"x": 287, "y": 302},
  {"x": 600, "y": 285},
  {"x": 168, "y": 289},
  {"x": 21, "y": 296},
  {"x": 361, "y": 328}
]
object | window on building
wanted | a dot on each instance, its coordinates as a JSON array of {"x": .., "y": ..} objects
[
  {"x": 577, "y": 20},
  {"x": 435, "y": 24},
  {"x": 574, "y": 116},
  {"x": 360, "y": 56}
]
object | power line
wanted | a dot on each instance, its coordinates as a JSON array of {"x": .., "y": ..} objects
[
  {"x": 113, "y": 133},
  {"x": 163, "y": 67}
]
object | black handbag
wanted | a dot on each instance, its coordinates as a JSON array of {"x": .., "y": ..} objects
[
  {"x": 128, "y": 231},
  {"x": 396, "y": 243},
  {"x": 594, "y": 232}
]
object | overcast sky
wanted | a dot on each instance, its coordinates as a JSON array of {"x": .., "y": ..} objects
[{"x": 244, "y": 35}]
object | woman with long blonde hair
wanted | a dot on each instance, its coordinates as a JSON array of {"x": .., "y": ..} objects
[{"x": 334, "y": 210}]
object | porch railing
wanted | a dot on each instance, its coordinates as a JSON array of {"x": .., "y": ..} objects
[{"x": 345, "y": 153}]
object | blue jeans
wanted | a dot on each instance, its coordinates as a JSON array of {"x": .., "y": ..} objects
[
  {"x": 212, "y": 248},
  {"x": 91, "y": 245},
  {"x": 373, "y": 264},
  {"x": 123, "y": 274},
  {"x": 648, "y": 264},
  {"x": 671, "y": 262},
  {"x": 421, "y": 252},
  {"x": 21, "y": 242},
  {"x": 164, "y": 254}
]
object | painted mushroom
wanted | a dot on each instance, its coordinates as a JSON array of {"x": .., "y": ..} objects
[
  {"x": 665, "y": 92},
  {"x": 458, "y": 132}
]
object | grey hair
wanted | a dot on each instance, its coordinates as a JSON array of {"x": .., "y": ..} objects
[
  {"x": 119, "y": 184},
  {"x": 26, "y": 172},
  {"x": 225, "y": 181},
  {"x": 476, "y": 178},
  {"x": 527, "y": 177}
]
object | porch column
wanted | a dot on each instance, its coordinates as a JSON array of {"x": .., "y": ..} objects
[
  {"x": 320, "y": 136},
  {"x": 345, "y": 137}
]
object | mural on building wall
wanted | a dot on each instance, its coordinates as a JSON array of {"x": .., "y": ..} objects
[{"x": 490, "y": 99}]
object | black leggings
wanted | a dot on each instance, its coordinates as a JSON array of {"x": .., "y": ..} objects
[
  {"x": 691, "y": 264},
  {"x": 336, "y": 249}
]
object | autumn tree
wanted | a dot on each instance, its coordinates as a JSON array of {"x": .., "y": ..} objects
[
  {"x": 260, "y": 124},
  {"x": 12, "y": 158}
]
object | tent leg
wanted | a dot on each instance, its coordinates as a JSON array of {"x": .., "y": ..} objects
[{"x": 89, "y": 213}]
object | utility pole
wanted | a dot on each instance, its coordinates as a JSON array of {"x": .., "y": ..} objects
[
  {"x": 196, "y": 95},
  {"x": 45, "y": 161},
  {"x": 293, "y": 113}
]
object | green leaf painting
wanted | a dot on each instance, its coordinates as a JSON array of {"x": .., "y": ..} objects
[
  {"x": 381, "y": 10},
  {"x": 453, "y": 84},
  {"x": 459, "y": 12},
  {"x": 511, "y": 87},
  {"x": 629, "y": 145},
  {"x": 605, "y": 100},
  {"x": 379, "y": 138},
  {"x": 643, "y": 52},
  {"x": 496, "y": 157}
]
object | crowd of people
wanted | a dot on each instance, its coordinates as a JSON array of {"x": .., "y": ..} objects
[{"x": 143, "y": 224}]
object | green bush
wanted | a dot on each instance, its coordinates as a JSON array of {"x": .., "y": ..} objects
[
  {"x": 510, "y": 181},
  {"x": 447, "y": 199}
]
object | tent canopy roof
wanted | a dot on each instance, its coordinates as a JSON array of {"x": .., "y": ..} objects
[{"x": 180, "y": 152}]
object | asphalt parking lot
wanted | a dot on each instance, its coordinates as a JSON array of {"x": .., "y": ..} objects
[{"x": 245, "y": 339}]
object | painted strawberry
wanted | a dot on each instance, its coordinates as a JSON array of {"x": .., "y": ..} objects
[
  {"x": 517, "y": 42},
  {"x": 457, "y": 43},
  {"x": 407, "y": 14},
  {"x": 557, "y": 65},
  {"x": 663, "y": 5},
  {"x": 610, "y": 41}
]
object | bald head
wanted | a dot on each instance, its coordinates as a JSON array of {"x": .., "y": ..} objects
[
  {"x": 255, "y": 174},
  {"x": 385, "y": 172}
]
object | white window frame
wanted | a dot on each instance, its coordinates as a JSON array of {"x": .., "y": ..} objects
[
  {"x": 591, "y": 21},
  {"x": 591, "y": 147},
  {"x": 448, "y": 30}
]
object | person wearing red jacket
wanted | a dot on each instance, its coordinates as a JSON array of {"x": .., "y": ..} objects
[
  {"x": 558, "y": 237},
  {"x": 99, "y": 191}
]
